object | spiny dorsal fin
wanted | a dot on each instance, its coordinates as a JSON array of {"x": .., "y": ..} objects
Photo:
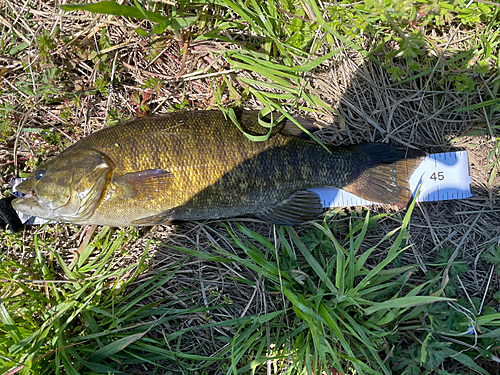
[{"x": 288, "y": 127}]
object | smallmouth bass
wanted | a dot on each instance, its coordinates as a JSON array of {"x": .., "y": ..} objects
[{"x": 198, "y": 165}]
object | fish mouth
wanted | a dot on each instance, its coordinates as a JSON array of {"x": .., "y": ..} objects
[
  {"x": 30, "y": 199},
  {"x": 30, "y": 206},
  {"x": 72, "y": 208},
  {"x": 27, "y": 204}
]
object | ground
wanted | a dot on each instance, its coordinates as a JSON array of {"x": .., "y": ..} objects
[{"x": 78, "y": 72}]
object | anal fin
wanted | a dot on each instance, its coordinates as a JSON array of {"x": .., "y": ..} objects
[{"x": 300, "y": 207}]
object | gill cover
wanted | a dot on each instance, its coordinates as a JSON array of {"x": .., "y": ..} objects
[{"x": 66, "y": 188}]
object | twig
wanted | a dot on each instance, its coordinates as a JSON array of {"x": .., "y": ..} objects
[
  {"x": 20, "y": 35},
  {"x": 486, "y": 290},
  {"x": 18, "y": 134},
  {"x": 110, "y": 87},
  {"x": 455, "y": 253}
]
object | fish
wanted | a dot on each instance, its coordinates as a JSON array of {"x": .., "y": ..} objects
[{"x": 198, "y": 165}]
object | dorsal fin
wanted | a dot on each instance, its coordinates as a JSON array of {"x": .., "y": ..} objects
[
  {"x": 249, "y": 121},
  {"x": 291, "y": 128}
]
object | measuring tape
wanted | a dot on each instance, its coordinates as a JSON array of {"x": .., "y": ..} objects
[{"x": 440, "y": 177}]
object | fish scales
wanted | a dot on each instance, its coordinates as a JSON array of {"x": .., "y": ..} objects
[{"x": 198, "y": 165}]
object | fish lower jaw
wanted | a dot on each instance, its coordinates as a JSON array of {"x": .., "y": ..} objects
[{"x": 29, "y": 205}]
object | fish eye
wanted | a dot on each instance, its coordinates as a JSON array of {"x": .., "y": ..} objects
[{"x": 39, "y": 173}]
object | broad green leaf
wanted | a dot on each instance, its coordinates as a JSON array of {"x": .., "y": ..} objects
[
  {"x": 182, "y": 22},
  {"x": 141, "y": 32},
  {"x": 15, "y": 50},
  {"x": 161, "y": 27},
  {"x": 111, "y": 7},
  {"x": 141, "y": 9}
]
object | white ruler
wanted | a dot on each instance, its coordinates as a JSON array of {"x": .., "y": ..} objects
[{"x": 440, "y": 177}]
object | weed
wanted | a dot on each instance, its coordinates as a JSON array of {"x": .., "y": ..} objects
[
  {"x": 139, "y": 101},
  {"x": 42, "y": 314},
  {"x": 45, "y": 44},
  {"x": 344, "y": 312}
]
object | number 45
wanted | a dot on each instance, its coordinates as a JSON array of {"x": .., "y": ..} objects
[{"x": 437, "y": 176}]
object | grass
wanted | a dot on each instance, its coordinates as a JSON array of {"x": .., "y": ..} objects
[{"x": 366, "y": 291}]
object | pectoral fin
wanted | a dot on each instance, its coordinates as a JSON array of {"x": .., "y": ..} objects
[
  {"x": 143, "y": 185},
  {"x": 300, "y": 207}
]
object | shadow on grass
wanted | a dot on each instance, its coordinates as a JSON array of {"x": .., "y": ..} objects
[{"x": 422, "y": 113}]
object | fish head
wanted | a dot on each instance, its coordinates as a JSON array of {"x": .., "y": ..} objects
[{"x": 66, "y": 188}]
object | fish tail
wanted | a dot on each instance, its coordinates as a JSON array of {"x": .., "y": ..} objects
[{"x": 386, "y": 172}]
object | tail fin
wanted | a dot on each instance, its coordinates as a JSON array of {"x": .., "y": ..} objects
[{"x": 385, "y": 177}]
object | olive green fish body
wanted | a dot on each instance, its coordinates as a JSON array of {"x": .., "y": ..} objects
[{"x": 199, "y": 165}]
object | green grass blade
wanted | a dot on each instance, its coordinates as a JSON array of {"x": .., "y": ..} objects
[
  {"x": 464, "y": 359},
  {"x": 111, "y": 7},
  {"x": 200, "y": 254},
  {"x": 361, "y": 236},
  {"x": 254, "y": 138},
  {"x": 319, "y": 18},
  {"x": 405, "y": 302},
  {"x": 489, "y": 320},
  {"x": 479, "y": 105},
  {"x": 86, "y": 248},
  {"x": 295, "y": 300},
  {"x": 311, "y": 260},
  {"x": 115, "y": 347},
  {"x": 364, "y": 337},
  {"x": 101, "y": 369},
  {"x": 9, "y": 323}
]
